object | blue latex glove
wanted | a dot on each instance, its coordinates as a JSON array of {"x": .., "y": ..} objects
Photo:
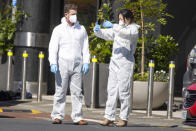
[
  {"x": 97, "y": 27},
  {"x": 85, "y": 68},
  {"x": 53, "y": 68},
  {"x": 107, "y": 24}
]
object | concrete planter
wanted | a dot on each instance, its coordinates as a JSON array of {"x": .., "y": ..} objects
[
  {"x": 101, "y": 85},
  {"x": 160, "y": 94},
  {"x": 3, "y": 72}
]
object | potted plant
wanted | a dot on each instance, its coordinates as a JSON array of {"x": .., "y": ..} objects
[
  {"x": 160, "y": 89},
  {"x": 161, "y": 50}
]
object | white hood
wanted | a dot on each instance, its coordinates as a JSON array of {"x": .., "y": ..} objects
[
  {"x": 136, "y": 25},
  {"x": 63, "y": 20}
]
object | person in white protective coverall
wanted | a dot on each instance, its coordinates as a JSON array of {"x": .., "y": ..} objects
[
  {"x": 125, "y": 36},
  {"x": 69, "y": 56}
]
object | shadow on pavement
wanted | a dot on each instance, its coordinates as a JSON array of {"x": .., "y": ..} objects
[
  {"x": 190, "y": 123},
  {"x": 143, "y": 125},
  {"x": 128, "y": 126},
  {"x": 11, "y": 103},
  {"x": 71, "y": 123},
  {"x": 6, "y": 117}
]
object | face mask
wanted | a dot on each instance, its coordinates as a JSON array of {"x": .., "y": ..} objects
[
  {"x": 121, "y": 23},
  {"x": 73, "y": 18}
]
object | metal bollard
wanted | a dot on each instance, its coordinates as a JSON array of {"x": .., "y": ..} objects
[
  {"x": 94, "y": 60},
  {"x": 40, "y": 76},
  {"x": 24, "y": 72},
  {"x": 171, "y": 90},
  {"x": 150, "y": 88},
  {"x": 9, "y": 71}
]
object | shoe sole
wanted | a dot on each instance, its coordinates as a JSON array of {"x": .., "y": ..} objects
[
  {"x": 57, "y": 123},
  {"x": 110, "y": 124},
  {"x": 121, "y": 125},
  {"x": 80, "y": 124}
]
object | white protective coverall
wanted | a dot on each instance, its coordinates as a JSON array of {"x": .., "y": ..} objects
[
  {"x": 120, "y": 68},
  {"x": 69, "y": 49}
]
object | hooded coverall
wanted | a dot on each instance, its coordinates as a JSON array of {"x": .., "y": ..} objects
[
  {"x": 69, "y": 49},
  {"x": 121, "y": 67}
]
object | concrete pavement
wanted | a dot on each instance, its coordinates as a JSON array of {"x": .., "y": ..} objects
[
  {"x": 44, "y": 108},
  {"x": 7, "y": 124}
]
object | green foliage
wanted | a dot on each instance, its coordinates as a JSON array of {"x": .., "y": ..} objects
[
  {"x": 154, "y": 12},
  {"x": 160, "y": 76},
  {"x": 99, "y": 47},
  {"x": 138, "y": 77},
  {"x": 162, "y": 51},
  {"x": 8, "y": 26}
]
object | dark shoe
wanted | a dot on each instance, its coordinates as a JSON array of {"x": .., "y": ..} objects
[
  {"x": 107, "y": 122},
  {"x": 57, "y": 121},
  {"x": 81, "y": 122},
  {"x": 121, "y": 123}
]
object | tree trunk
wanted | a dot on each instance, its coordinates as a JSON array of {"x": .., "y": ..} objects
[{"x": 142, "y": 28}]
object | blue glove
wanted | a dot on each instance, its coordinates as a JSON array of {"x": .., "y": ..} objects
[
  {"x": 97, "y": 27},
  {"x": 85, "y": 68},
  {"x": 53, "y": 68},
  {"x": 107, "y": 24}
]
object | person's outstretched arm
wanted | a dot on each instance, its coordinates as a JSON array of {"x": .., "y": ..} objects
[
  {"x": 126, "y": 32},
  {"x": 106, "y": 34}
]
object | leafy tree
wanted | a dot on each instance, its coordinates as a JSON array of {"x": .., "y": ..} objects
[
  {"x": 163, "y": 50},
  {"x": 8, "y": 24}
]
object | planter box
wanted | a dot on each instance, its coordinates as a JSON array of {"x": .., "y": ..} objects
[
  {"x": 160, "y": 94},
  {"x": 101, "y": 85}
]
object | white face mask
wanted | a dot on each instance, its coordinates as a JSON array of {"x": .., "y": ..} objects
[
  {"x": 121, "y": 23},
  {"x": 73, "y": 18}
]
